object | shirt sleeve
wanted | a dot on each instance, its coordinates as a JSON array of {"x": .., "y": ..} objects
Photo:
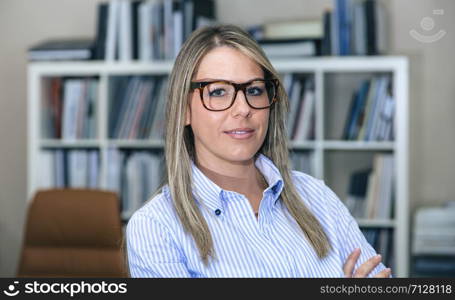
[
  {"x": 349, "y": 234},
  {"x": 151, "y": 251}
]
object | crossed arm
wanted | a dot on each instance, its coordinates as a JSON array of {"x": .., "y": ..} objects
[{"x": 365, "y": 268}]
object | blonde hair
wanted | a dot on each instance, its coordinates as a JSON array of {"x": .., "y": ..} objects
[{"x": 179, "y": 140}]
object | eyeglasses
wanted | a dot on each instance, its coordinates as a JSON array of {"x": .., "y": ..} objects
[{"x": 220, "y": 95}]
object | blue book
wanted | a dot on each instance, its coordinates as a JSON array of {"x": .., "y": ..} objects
[
  {"x": 348, "y": 122},
  {"x": 343, "y": 8},
  {"x": 359, "y": 108}
]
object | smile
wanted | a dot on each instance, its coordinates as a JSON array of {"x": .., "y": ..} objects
[{"x": 240, "y": 133}]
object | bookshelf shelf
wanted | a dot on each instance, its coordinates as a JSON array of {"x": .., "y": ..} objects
[
  {"x": 302, "y": 145},
  {"x": 101, "y": 68},
  {"x": 332, "y": 159},
  {"x": 348, "y": 145},
  {"x": 367, "y": 223},
  {"x": 137, "y": 144},
  {"x": 54, "y": 143}
]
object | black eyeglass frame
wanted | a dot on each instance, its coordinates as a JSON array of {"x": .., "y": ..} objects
[{"x": 200, "y": 85}]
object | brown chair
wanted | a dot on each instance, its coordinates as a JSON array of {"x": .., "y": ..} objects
[{"x": 73, "y": 233}]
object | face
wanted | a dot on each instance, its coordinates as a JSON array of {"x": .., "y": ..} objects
[{"x": 233, "y": 135}]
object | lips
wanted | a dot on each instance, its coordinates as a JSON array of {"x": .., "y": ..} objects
[
  {"x": 240, "y": 130},
  {"x": 240, "y": 133}
]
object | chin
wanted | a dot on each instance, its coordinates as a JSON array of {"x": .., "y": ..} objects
[{"x": 240, "y": 155}]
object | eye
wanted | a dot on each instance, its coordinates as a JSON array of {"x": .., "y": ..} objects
[
  {"x": 255, "y": 91},
  {"x": 217, "y": 93}
]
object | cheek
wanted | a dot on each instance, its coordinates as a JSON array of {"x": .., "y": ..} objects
[
  {"x": 264, "y": 120},
  {"x": 204, "y": 123}
]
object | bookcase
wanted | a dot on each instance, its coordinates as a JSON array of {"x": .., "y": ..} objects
[{"x": 332, "y": 158}]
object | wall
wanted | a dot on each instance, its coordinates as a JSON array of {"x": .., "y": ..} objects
[
  {"x": 22, "y": 24},
  {"x": 432, "y": 99},
  {"x": 432, "y": 92}
]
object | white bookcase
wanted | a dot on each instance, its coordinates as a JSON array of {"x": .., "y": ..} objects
[{"x": 327, "y": 150}]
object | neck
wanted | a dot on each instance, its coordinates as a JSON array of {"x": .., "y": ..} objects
[{"x": 242, "y": 178}]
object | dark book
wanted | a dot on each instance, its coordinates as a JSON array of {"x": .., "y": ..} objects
[
  {"x": 62, "y": 49},
  {"x": 359, "y": 111},
  {"x": 203, "y": 12},
  {"x": 358, "y": 97},
  {"x": 66, "y": 171},
  {"x": 160, "y": 83},
  {"x": 326, "y": 48},
  {"x": 152, "y": 107},
  {"x": 357, "y": 192},
  {"x": 135, "y": 28},
  {"x": 101, "y": 31},
  {"x": 349, "y": 119},
  {"x": 117, "y": 93},
  {"x": 358, "y": 183},
  {"x": 298, "y": 107},
  {"x": 370, "y": 15},
  {"x": 56, "y": 109}
]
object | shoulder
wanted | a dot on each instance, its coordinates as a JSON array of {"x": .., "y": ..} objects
[
  {"x": 303, "y": 178},
  {"x": 308, "y": 185},
  {"x": 158, "y": 211},
  {"x": 315, "y": 193}
]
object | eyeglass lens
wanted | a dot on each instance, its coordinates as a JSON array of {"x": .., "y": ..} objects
[{"x": 219, "y": 95}]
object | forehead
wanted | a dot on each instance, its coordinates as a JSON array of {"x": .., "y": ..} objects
[{"x": 228, "y": 63}]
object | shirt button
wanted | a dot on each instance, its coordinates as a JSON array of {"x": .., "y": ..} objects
[{"x": 218, "y": 212}]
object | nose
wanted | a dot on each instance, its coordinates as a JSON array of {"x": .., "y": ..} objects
[{"x": 240, "y": 106}]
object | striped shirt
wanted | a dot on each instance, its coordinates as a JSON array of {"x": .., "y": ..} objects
[{"x": 272, "y": 245}]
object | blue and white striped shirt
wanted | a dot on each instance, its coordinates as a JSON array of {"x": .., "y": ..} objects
[{"x": 271, "y": 246}]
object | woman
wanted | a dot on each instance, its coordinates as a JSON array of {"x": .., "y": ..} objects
[{"x": 231, "y": 207}]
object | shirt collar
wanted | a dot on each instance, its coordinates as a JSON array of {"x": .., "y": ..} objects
[{"x": 210, "y": 194}]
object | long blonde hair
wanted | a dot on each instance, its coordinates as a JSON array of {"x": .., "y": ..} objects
[{"x": 179, "y": 145}]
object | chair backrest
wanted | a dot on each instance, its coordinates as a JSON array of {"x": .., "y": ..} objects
[{"x": 73, "y": 233}]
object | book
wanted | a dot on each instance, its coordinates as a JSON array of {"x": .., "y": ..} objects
[
  {"x": 142, "y": 178},
  {"x": 380, "y": 189},
  {"x": 371, "y": 23},
  {"x": 56, "y": 103},
  {"x": 356, "y": 114},
  {"x": 365, "y": 113},
  {"x": 78, "y": 111},
  {"x": 93, "y": 167},
  {"x": 125, "y": 41},
  {"x": 293, "y": 29},
  {"x": 326, "y": 46},
  {"x": 384, "y": 208},
  {"x": 62, "y": 49},
  {"x": 373, "y": 124},
  {"x": 204, "y": 13},
  {"x": 306, "y": 114},
  {"x": 291, "y": 47},
  {"x": 344, "y": 25},
  {"x": 357, "y": 27},
  {"x": 113, "y": 29},
  {"x": 148, "y": 30},
  {"x": 295, "y": 97},
  {"x": 101, "y": 32},
  {"x": 135, "y": 19},
  {"x": 357, "y": 192},
  {"x": 158, "y": 124}
]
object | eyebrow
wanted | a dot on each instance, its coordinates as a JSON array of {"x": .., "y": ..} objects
[{"x": 221, "y": 79}]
